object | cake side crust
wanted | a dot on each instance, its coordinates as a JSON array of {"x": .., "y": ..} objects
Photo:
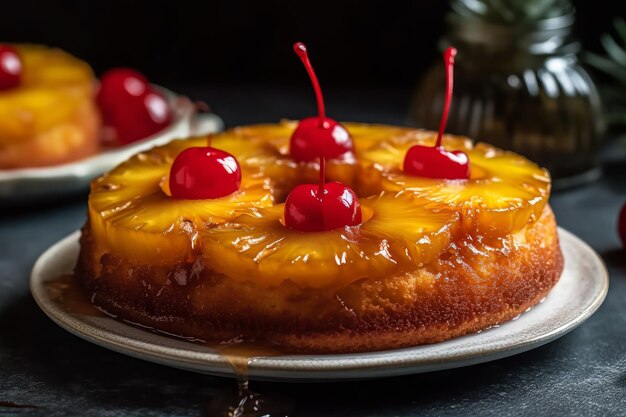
[{"x": 474, "y": 285}]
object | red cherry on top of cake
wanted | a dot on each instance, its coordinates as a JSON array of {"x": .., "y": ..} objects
[
  {"x": 10, "y": 68},
  {"x": 130, "y": 106},
  {"x": 319, "y": 136},
  {"x": 117, "y": 84},
  {"x": 323, "y": 206},
  {"x": 436, "y": 162},
  {"x": 204, "y": 173}
]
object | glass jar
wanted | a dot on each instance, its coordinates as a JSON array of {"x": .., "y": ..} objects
[{"x": 519, "y": 87}]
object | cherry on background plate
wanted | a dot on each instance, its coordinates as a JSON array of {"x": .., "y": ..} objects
[
  {"x": 10, "y": 68},
  {"x": 204, "y": 173},
  {"x": 130, "y": 106},
  {"x": 140, "y": 117},
  {"x": 117, "y": 84}
]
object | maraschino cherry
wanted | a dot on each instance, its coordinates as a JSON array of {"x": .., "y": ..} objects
[
  {"x": 119, "y": 83},
  {"x": 10, "y": 68},
  {"x": 321, "y": 135},
  {"x": 130, "y": 106},
  {"x": 323, "y": 206},
  {"x": 436, "y": 162},
  {"x": 203, "y": 173}
]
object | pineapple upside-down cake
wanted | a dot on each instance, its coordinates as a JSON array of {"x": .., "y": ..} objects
[
  {"x": 408, "y": 236},
  {"x": 431, "y": 259}
]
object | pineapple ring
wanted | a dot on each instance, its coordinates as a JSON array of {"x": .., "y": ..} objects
[
  {"x": 402, "y": 233},
  {"x": 265, "y": 149},
  {"x": 130, "y": 214},
  {"x": 505, "y": 191}
]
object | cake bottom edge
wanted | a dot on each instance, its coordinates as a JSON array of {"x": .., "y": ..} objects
[{"x": 437, "y": 302}]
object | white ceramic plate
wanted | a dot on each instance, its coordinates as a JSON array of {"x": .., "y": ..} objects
[
  {"x": 577, "y": 296},
  {"x": 23, "y": 185}
]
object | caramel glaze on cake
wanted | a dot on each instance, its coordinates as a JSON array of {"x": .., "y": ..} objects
[{"x": 468, "y": 281}]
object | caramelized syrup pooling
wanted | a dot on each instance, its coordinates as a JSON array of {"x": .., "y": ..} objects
[
  {"x": 68, "y": 295},
  {"x": 66, "y": 292},
  {"x": 247, "y": 403}
]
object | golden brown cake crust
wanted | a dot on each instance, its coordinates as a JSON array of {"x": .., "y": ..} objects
[{"x": 474, "y": 285}]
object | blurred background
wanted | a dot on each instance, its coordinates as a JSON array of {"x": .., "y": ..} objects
[
  {"x": 530, "y": 73},
  {"x": 353, "y": 43}
]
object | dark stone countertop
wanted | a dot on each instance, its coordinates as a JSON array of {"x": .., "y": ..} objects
[{"x": 53, "y": 373}]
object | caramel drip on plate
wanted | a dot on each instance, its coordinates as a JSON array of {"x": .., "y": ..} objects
[
  {"x": 239, "y": 354},
  {"x": 249, "y": 403},
  {"x": 66, "y": 292}
]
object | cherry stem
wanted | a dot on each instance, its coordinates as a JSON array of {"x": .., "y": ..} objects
[
  {"x": 300, "y": 49},
  {"x": 320, "y": 191},
  {"x": 448, "y": 59}
]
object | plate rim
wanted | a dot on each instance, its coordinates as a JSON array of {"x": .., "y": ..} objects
[{"x": 309, "y": 367}]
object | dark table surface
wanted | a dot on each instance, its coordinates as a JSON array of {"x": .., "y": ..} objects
[{"x": 53, "y": 373}]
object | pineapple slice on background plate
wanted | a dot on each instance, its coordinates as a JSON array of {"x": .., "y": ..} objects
[
  {"x": 505, "y": 191},
  {"x": 50, "y": 118},
  {"x": 399, "y": 232},
  {"x": 130, "y": 209},
  {"x": 26, "y": 185},
  {"x": 51, "y": 125},
  {"x": 54, "y": 86}
]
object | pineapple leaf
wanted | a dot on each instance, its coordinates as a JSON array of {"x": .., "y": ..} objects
[
  {"x": 606, "y": 65},
  {"x": 613, "y": 95},
  {"x": 613, "y": 64},
  {"x": 614, "y": 50},
  {"x": 620, "y": 27}
]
